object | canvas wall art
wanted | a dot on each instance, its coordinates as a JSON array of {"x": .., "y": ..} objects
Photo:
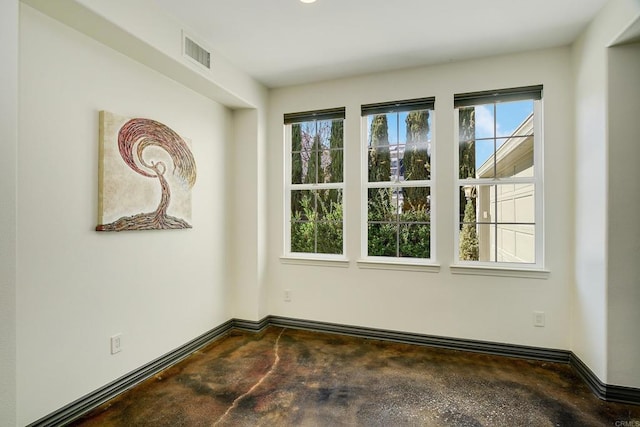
[{"x": 146, "y": 173}]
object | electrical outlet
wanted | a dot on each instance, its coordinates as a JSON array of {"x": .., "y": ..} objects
[
  {"x": 287, "y": 295},
  {"x": 538, "y": 319},
  {"x": 116, "y": 344}
]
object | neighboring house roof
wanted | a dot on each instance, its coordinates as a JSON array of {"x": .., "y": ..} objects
[{"x": 515, "y": 152}]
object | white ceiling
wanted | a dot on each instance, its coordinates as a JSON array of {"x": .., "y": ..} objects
[{"x": 286, "y": 42}]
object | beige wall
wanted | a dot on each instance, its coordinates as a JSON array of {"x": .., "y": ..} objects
[
  {"x": 485, "y": 308},
  {"x": 591, "y": 319},
  {"x": 623, "y": 293},
  {"x": 8, "y": 183},
  {"x": 78, "y": 287}
]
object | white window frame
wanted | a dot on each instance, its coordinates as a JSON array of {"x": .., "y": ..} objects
[
  {"x": 512, "y": 269},
  {"x": 311, "y": 258},
  {"x": 397, "y": 263}
]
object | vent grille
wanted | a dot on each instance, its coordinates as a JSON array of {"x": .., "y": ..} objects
[{"x": 196, "y": 52}]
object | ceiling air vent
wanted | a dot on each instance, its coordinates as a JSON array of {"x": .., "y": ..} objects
[{"x": 196, "y": 52}]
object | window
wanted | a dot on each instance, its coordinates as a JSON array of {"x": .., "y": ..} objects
[
  {"x": 499, "y": 182},
  {"x": 314, "y": 187},
  {"x": 397, "y": 190}
]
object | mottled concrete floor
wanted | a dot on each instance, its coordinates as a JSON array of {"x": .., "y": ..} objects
[{"x": 286, "y": 377}]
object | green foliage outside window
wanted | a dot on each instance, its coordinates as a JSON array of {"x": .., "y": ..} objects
[
  {"x": 407, "y": 234},
  {"x": 317, "y": 226},
  {"x": 469, "y": 244}
]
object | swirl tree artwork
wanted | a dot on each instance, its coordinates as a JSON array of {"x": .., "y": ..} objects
[{"x": 151, "y": 150}]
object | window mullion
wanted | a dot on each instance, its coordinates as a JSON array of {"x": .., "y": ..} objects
[
  {"x": 315, "y": 147},
  {"x": 495, "y": 144},
  {"x": 495, "y": 222},
  {"x": 398, "y": 147},
  {"x": 323, "y": 186},
  {"x": 315, "y": 221},
  {"x": 397, "y": 218}
]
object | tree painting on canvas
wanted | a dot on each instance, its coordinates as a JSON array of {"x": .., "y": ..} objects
[{"x": 146, "y": 172}]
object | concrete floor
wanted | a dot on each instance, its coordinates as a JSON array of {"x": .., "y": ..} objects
[{"x": 286, "y": 377}]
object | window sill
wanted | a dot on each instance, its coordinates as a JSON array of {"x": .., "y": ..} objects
[
  {"x": 483, "y": 270},
  {"x": 323, "y": 262},
  {"x": 402, "y": 265}
]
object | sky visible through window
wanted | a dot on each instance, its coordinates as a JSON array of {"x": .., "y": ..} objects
[{"x": 509, "y": 116}]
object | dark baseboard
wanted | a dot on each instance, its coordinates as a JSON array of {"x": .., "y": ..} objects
[
  {"x": 608, "y": 392},
  {"x": 250, "y": 325},
  {"x": 536, "y": 353},
  {"x": 83, "y": 405}
]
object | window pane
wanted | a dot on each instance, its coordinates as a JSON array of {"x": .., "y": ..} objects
[
  {"x": 308, "y": 133},
  {"x": 303, "y": 237},
  {"x": 512, "y": 239},
  {"x": 329, "y": 205},
  {"x": 329, "y": 237},
  {"x": 483, "y": 152},
  {"x": 416, "y": 162},
  {"x": 303, "y": 205},
  {"x": 296, "y": 168},
  {"x": 511, "y": 116},
  {"x": 316, "y": 221},
  {"x": 415, "y": 240},
  {"x": 323, "y": 129},
  {"x": 332, "y": 164},
  {"x": 514, "y": 157},
  {"x": 469, "y": 245},
  {"x": 469, "y": 199},
  {"x": 415, "y": 203},
  {"x": 504, "y": 140},
  {"x": 467, "y": 124},
  {"x": 514, "y": 203},
  {"x": 516, "y": 243},
  {"x": 484, "y": 124},
  {"x": 324, "y": 166},
  {"x": 378, "y": 130},
  {"x": 382, "y": 204},
  {"x": 486, "y": 242},
  {"x": 416, "y": 159},
  {"x": 396, "y": 155},
  {"x": 498, "y": 203},
  {"x": 484, "y": 201},
  {"x": 336, "y": 139},
  {"x": 379, "y": 164},
  {"x": 314, "y": 166},
  {"x": 417, "y": 126},
  {"x": 382, "y": 239}
]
